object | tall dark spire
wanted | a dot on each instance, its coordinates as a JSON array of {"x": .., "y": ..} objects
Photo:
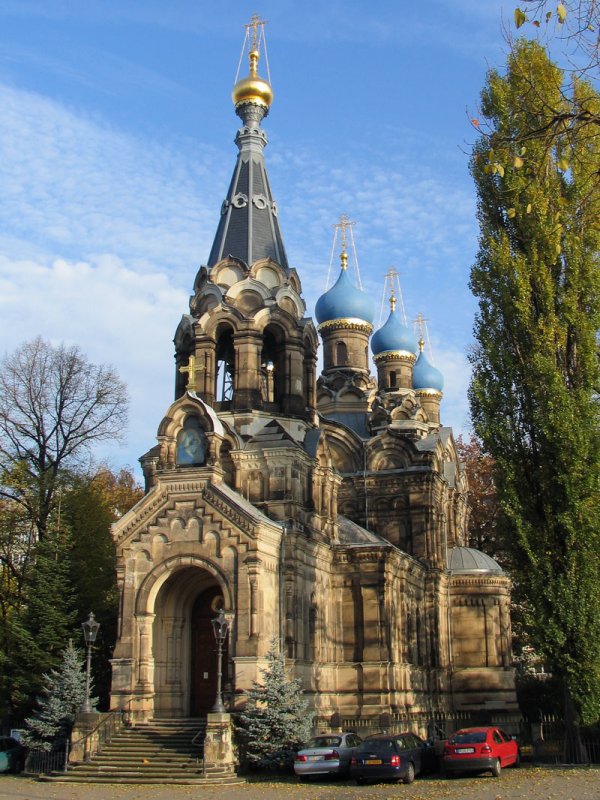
[{"x": 249, "y": 229}]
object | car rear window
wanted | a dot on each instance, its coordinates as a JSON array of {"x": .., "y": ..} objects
[
  {"x": 472, "y": 737},
  {"x": 324, "y": 741},
  {"x": 379, "y": 746}
]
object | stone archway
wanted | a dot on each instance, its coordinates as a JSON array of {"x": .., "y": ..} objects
[{"x": 183, "y": 649}]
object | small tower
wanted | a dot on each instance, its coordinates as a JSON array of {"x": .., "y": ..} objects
[
  {"x": 428, "y": 382},
  {"x": 345, "y": 321},
  {"x": 394, "y": 348}
]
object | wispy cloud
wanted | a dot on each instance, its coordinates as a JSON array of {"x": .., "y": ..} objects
[{"x": 101, "y": 234}]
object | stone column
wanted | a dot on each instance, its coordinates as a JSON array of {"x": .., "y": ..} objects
[{"x": 219, "y": 757}]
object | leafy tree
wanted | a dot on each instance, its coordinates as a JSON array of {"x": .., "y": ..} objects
[
  {"x": 58, "y": 704},
  {"x": 54, "y": 405},
  {"x": 88, "y": 509},
  {"x": 571, "y": 26},
  {"x": 535, "y": 366},
  {"x": 484, "y": 507},
  {"x": 576, "y": 22},
  {"x": 274, "y": 721}
]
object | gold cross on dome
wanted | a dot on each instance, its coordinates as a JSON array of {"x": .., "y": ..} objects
[
  {"x": 191, "y": 369},
  {"x": 343, "y": 225},
  {"x": 252, "y": 28},
  {"x": 390, "y": 275}
]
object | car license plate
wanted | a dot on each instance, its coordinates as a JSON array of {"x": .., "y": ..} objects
[
  {"x": 314, "y": 758},
  {"x": 373, "y": 761},
  {"x": 465, "y": 749}
]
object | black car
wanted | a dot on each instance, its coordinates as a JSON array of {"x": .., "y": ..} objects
[
  {"x": 398, "y": 756},
  {"x": 12, "y": 755}
]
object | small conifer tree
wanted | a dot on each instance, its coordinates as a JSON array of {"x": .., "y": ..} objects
[
  {"x": 61, "y": 698},
  {"x": 274, "y": 721}
]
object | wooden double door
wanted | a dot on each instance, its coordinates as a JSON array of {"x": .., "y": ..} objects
[{"x": 204, "y": 652}]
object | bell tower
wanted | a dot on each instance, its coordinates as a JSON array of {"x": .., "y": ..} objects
[{"x": 246, "y": 345}]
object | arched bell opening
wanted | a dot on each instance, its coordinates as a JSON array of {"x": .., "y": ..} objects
[
  {"x": 273, "y": 368},
  {"x": 225, "y": 367},
  {"x": 184, "y": 648}
]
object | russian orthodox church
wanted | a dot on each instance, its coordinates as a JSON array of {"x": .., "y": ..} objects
[{"x": 326, "y": 516}]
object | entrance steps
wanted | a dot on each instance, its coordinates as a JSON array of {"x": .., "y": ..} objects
[{"x": 166, "y": 751}]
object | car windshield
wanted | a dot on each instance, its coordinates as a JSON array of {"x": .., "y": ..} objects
[
  {"x": 379, "y": 746},
  {"x": 324, "y": 741},
  {"x": 469, "y": 737}
]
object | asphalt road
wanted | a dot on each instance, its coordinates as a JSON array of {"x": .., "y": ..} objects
[{"x": 529, "y": 783}]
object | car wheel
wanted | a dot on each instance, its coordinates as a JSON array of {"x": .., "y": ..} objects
[
  {"x": 496, "y": 768},
  {"x": 518, "y": 759},
  {"x": 410, "y": 773}
]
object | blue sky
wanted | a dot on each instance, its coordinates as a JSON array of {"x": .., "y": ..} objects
[{"x": 116, "y": 149}]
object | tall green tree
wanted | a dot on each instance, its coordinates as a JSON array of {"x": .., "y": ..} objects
[
  {"x": 88, "y": 508},
  {"x": 534, "y": 391}
]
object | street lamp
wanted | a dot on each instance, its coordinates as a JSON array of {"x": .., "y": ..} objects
[
  {"x": 220, "y": 627},
  {"x": 90, "y": 632}
]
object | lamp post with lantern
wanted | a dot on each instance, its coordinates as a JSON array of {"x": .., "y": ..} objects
[
  {"x": 220, "y": 628},
  {"x": 90, "y": 632}
]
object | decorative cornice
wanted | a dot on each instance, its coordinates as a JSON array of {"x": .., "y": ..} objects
[
  {"x": 433, "y": 393},
  {"x": 395, "y": 355},
  {"x": 236, "y": 517},
  {"x": 346, "y": 323}
]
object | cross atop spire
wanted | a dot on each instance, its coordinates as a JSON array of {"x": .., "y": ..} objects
[
  {"x": 252, "y": 29},
  {"x": 421, "y": 327},
  {"x": 392, "y": 284}
]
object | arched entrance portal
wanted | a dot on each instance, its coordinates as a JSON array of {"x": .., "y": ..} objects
[{"x": 183, "y": 643}]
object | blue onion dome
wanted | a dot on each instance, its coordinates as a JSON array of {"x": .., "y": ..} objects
[
  {"x": 394, "y": 337},
  {"x": 425, "y": 375},
  {"x": 344, "y": 301}
]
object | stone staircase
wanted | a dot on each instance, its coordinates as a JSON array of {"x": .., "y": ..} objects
[{"x": 165, "y": 751}]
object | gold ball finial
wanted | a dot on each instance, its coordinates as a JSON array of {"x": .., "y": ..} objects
[
  {"x": 344, "y": 259},
  {"x": 253, "y": 88}
]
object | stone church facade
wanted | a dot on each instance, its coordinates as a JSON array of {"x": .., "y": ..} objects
[{"x": 324, "y": 515}]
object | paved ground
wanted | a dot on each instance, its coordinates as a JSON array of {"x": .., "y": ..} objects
[{"x": 528, "y": 783}]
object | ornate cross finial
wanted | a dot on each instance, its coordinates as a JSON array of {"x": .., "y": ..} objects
[
  {"x": 191, "y": 369},
  {"x": 254, "y": 32},
  {"x": 252, "y": 27},
  {"x": 390, "y": 275},
  {"x": 421, "y": 323},
  {"x": 343, "y": 226}
]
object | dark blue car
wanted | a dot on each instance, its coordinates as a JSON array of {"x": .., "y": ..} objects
[
  {"x": 396, "y": 757},
  {"x": 12, "y": 755}
]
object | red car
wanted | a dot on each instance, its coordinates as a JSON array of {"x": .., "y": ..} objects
[{"x": 479, "y": 750}]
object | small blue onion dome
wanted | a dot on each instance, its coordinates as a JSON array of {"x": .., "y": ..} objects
[
  {"x": 426, "y": 376},
  {"x": 344, "y": 301},
  {"x": 393, "y": 336}
]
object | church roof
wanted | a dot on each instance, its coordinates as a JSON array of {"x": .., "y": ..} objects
[
  {"x": 469, "y": 561},
  {"x": 344, "y": 301},
  {"x": 271, "y": 435},
  {"x": 393, "y": 336},
  {"x": 426, "y": 376},
  {"x": 351, "y": 533},
  {"x": 249, "y": 228}
]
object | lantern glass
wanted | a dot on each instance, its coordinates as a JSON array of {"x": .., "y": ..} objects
[{"x": 90, "y": 629}]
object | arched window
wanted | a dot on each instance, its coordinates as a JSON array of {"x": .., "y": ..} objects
[
  {"x": 341, "y": 355},
  {"x": 273, "y": 365},
  {"x": 392, "y": 380},
  {"x": 191, "y": 444},
  {"x": 225, "y": 366}
]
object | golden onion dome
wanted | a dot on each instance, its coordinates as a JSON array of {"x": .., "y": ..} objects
[{"x": 253, "y": 88}]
